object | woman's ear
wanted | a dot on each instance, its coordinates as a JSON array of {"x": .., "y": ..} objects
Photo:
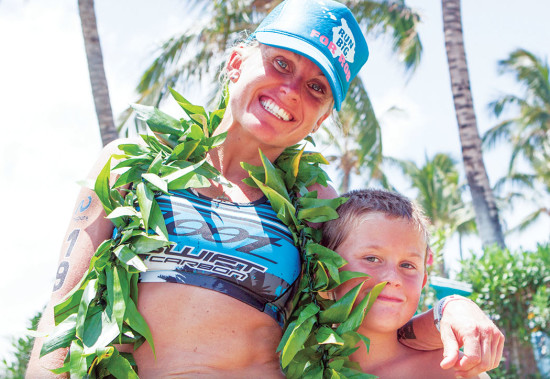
[
  {"x": 321, "y": 120},
  {"x": 234, "y": 64}
]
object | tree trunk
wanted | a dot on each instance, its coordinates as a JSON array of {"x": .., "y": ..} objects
[
  {"x": 522, "y": 356},
  {"x": 100, "y": 90},
  {"x": 486, "y": 212}
]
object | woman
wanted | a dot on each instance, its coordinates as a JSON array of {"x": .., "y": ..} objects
[{"x": 204, "y": 323}]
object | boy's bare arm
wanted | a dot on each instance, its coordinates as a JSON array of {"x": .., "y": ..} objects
[{"x": 463, "y": 324}]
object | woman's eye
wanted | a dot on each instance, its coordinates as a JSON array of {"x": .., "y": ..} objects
[
  {"x": 282, "y": 64},
  {"x": 316, "y": 87}
]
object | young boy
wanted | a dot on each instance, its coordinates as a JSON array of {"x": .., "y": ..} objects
[{"x": 385, "y": 235}]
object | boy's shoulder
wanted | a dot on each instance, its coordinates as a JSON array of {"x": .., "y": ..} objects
[{"x": 418, "y": 364}]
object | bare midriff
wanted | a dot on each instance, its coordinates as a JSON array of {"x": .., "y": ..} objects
[{"x": 203, "y": 333}]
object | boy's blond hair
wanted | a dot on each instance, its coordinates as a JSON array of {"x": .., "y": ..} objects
[{"x": 365, "y": 201}]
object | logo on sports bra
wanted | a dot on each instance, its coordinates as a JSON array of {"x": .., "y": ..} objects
[{"x": 206, "y": 260}]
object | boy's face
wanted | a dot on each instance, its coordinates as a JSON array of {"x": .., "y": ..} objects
[{"x": 388, "y": 249}]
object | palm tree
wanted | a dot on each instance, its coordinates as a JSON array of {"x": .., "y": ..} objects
[
  {"x": 198, "y": 52},
  {"x": 531, "y": 127},
  {"x": 440, "y": 195},
  {"x": 486, "y": 212},
  {"x": 100, "y": 90},
  {"x": 356, "y": 139},
  {"x": 528, "y": 132},
  {"x": 196, "y": 55}
]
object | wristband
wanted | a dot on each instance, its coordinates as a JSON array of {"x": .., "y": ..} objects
[{"x": 440, "y": 307}]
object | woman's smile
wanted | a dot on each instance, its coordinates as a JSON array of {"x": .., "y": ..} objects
[{"x": 270, "y": 106}]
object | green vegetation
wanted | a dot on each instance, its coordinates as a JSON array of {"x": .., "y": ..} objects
[
  {"x": 513, "y": 288},
  {"x": 15, "y": 367}
]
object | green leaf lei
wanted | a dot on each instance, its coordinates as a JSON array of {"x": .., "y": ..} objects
[{"x": 102, "y": 309}]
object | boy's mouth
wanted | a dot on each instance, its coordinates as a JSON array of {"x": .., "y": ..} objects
[
  {"x": 270, "y": 106},
  {"x": 390, "y": 299}
]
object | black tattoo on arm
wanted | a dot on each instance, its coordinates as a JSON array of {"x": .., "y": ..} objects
[{"x": 406, "y": 332}]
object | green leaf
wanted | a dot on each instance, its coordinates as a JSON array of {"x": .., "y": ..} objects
[
  {"x": 133, "y": 162},
  {"x": 184, "y": 150},
  {"x": 327, "y": 336},
  {"x": 156, "y": 181},
  {"x": 92, "y": 329},
  {"x": 285, "y": 210},
  {"x": 156, "y": 221},
  {"x": 340, "y": 310},
  {"x": 201, "y": 121},
  {"x": 120, "y": 367},
  {"x": 294, "y": 338},
  {"x": 358, "y": 314},
  {"x": 273, "y": 179},
  {"x": 184, "y": 171},
  {"x": 132, "y": 175},
  {"x": 136, "y": 321},
  {"x": 215, "y": 119},
  {"x": 313, "y": 371},
  {"x": 157, "y": 120},
  {"x": 126, "y": 255},
  {"x": 321, "y": 277},
  {"x": 189, "y": 108},
  {"x": 88, "y": 295},
  {"x": 78, "y": 360},
  {"x": 145, "y": 199},
  {"x": 326, "y": 255},
  {"x": 61, "y": 336},
  {"x": 120, "y": 289},
  {"x": 145, "y": 243},
  {"x": 290, "y": 176},
  {"x": 155, "y": 144},
  {"x": 102, "y": 189},
  {"x": 123, "y": 212},
  {"x": 133, "y": 149},
  {"x": 156, "y": 164}
]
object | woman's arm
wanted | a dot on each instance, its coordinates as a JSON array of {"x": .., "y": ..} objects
[
  {"x": 463, "y": 324},
  {"x": 88, "y": 227}
]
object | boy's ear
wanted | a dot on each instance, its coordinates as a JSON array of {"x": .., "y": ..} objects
[{"x": 425, "y": 279}]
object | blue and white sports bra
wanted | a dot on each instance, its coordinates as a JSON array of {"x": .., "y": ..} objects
[{"x": 242, "y": 250}]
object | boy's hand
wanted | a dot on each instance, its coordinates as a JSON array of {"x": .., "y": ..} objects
[{"x": 482, "y": 340}]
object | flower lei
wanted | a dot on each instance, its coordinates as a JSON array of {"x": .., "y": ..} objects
[{"x": 102, "y": 309}]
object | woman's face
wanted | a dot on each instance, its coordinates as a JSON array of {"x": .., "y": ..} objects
[
  {"x": 389, "y": 250},
  {"x": 277, "y": 96}
]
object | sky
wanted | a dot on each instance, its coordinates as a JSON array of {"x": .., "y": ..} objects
[{"x": 50, "y": 137}]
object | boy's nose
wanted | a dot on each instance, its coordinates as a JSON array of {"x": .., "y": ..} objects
[{"x": 392, "y": 277}]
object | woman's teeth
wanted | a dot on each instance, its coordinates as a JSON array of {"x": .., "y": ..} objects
[{"x": 275, "y": 110}]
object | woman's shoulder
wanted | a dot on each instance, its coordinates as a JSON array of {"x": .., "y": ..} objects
[{"x": 108, "y": 150}]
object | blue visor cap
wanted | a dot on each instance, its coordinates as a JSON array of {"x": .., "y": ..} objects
[{"x": 324, "y": 31}]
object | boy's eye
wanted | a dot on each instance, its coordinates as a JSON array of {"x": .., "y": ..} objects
[
  {"x": 371, "y": 259},
  {"x": 408, "y": 265}
]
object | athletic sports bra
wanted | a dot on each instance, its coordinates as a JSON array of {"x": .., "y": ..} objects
[{"x": 242, "y": 250}]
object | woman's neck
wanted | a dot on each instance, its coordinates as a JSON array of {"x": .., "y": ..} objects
[
  {"x": 384, "y": 348},
  {"x": 239, "y": 146}
]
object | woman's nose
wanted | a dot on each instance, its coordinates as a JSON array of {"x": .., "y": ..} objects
[{"x": 291, "y": 90}]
